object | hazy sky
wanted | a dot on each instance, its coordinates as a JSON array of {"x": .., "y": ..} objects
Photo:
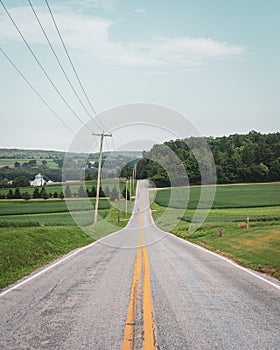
[{"x": 216, "y": 62}]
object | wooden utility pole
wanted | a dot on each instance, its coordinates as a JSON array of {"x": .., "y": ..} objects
[
  {"x": 119, "y": 208},
  {"x": 132, "y": 180},
  {"x": 99, "y": 175},
  {"x": 126, "y": 196}
]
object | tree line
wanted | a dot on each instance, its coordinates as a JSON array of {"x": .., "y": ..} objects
[
  {"x": 37, "y": 194},
  {"x": 41, "y": 193},
  {"x": 253, "y": 157}
]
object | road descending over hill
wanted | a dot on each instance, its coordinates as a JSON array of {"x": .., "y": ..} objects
[{"x": 141, "y": 288}]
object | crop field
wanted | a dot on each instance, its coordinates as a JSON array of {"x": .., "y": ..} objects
[
  {"x": 38, "y": 231},
  {"x": 11, "y": 161},
  {"x": 19, "y": 207},
  {"x": 227, "y": 196},
  {"x": 34, "y": 233},
  {"x": 224, "y": 230}
]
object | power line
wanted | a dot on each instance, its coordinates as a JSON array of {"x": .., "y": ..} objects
[
  {"x": 99, "y": 175},
  {"x": 59, "y": 62},
  {"x": 72, "y": 65},
  {"x": 114, "y": 147},
  {"x": 38, "y": 94},
  {"x": 42, "y": 68},
  {"x": 35, "y": 90}
]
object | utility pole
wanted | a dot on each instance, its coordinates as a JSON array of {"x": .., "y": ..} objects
[
  {"x": 119, "y": 208},
  {"x": 132, "y": 180},
  {"x": 126, "y": 197},
  {"x": 99, "y": 175},
  {"x": 130, "y": 188}
]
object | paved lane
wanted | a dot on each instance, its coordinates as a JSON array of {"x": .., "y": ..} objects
[{"x": 140, "y": 286}]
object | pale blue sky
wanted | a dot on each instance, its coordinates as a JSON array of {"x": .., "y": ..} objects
[{"x": 217, "y": 62}]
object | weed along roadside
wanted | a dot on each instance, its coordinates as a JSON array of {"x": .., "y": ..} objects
[
  {"x": 249, "y": 235},
  {"x": 34, "y": 234}
]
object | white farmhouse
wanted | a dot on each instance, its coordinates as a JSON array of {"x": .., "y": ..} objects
[{"x": 38, "y": 181}]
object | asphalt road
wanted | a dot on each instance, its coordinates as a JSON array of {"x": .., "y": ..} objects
[{"x": 141, "y": 288}]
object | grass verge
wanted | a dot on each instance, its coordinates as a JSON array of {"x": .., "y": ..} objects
[
  {"x": 225, "y": 232},
  {"x": 29, "y": 241},
  {"x": 23, "y": 249}
]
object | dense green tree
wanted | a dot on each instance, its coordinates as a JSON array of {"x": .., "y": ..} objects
[
  {"x": 4, "y": 183},
  {"x": 44, "y": 194},
  {"x": 274, "y": 170},
  {"x": 114, "y": 194},
  {"x": 107, "y": 191},
  {"x": 67, "y": 192},
  {"x": 21, "y": 181},
  {"x": 92, "y": 192},
  {"x": 36, "y": 193},
  {"x": 25, "y": 196},
  {"x": 238, "y": 158},
  {"x": 17, "y": 194},
  {"x": 124, "y": 194},
  {"x": 33, "y": 162},
  {"x": 101, "y": 192},
  {"x": 82, "y": 191},
  {"x": 10, "y": 194}
]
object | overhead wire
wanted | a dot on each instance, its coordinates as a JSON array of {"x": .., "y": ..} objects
[
  {"x": 114, "y": 147},
  {"x": 73, "y": 67},
  {"x": 42, "y": 68},
  {"x": 76, "y": 72},
  {"x": 63, "y": 70},
  {"x": 60, "y": 64},
  {"x": 38, "y": 94}
]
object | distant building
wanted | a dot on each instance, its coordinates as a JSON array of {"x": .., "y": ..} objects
[{"x": 38, "y": 181}]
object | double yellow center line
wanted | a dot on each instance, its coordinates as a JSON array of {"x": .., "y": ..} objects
[{"x": 141, "y": 277}]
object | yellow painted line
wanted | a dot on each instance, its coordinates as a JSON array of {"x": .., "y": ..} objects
[
  {"x": 129, "y": 331},
  {"x": 149, "y": 340},
  {"x": 141, "y": 265}
]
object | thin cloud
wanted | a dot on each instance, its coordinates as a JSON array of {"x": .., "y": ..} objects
[
  {"x": 140, "y": 11},
  {"x": 90, "y": 36},
  {"x": 107, "y": 5}
]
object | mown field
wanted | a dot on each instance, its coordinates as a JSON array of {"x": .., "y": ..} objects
[
  {"x": 34, "y": 233},
  {"x": 227, "y": 196},
  {"x": 224, "y": 230},
  {"x": 11, "y": 161},
  {"x": 19, "y": 207}
]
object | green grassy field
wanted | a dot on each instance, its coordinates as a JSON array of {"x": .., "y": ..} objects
[
  {"x": 229, "y": 196},
  {"x": 25, "y": 248},
  {"x": 257, "y": 248},
  {"x": 20, "y": 207},
  {"x": 35, "y": 233},
  {"x": 11, "y": 161}
]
